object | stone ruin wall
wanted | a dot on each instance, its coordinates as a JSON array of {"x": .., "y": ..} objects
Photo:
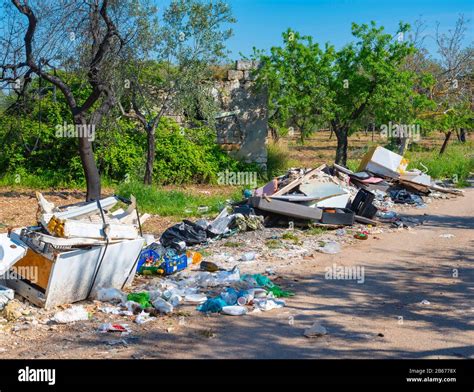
[{"x": 242, "y": 126}]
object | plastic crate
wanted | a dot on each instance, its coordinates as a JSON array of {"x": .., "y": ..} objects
[
  {"x": 145, "y": 255},
  {"x": 174, "y": 264}
]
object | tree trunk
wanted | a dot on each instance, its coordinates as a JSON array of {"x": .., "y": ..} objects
[
  {"x": 274, "y": 134},
  {"x": 302, "y": 136},
  {"x": 341, "y": 150},
  {"x": 91, "y": 173},
  {"x": 150, "y": 156},
  {"x": 403, "y": 145},
  {"x": 462, "y": 135},
  {"x": 445, "y": 143}
]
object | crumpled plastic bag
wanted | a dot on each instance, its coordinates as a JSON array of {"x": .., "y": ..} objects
[
  {"x": 212, "y": 305},
  {"x": 75, "y": 313},
  {"x": 110, "y": 295}
]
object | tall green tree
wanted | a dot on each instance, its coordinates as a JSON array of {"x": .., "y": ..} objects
[
  {"x": 309, "y": 86},
  {"x": 296, "y": 77},
  {"x": 367, "y": 74}
]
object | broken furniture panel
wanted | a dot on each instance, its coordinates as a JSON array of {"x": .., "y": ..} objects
[
  {"x": 285, "y": 208},
  {"x": 338, "y": 216}
]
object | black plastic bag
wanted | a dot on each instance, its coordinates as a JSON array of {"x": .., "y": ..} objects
[{"x": 187, "y": 231}]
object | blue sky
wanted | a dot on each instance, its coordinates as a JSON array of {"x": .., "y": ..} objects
[{"x": 261, "y": 22}]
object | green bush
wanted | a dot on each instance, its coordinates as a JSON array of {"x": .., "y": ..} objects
[{"x": 188, "y": 155}]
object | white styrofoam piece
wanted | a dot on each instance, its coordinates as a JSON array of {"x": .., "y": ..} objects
[
  {"x": 384, "y": 162},
  {"x": 386, "y": 158},
  {"x": 81, "y": 229}
]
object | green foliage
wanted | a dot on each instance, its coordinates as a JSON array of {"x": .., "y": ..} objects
[
  {"x": 33, "y": 153},
  {"x": 295, "y": 76},
  {"x": 188, "y": 155}
]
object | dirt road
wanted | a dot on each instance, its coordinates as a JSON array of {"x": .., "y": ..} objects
[{"x": 381, "y": 317}]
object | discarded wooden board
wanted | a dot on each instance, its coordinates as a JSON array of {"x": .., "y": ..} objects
[
  {"x": 446, "y": 190},
  {"x": 268, "y": 189}
]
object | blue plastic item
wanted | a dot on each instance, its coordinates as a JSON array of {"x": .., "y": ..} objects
[
  {"x": 212, "y": 305},
  {"x": 174, "y": 264},
  {"x": 147, "y": 255}
]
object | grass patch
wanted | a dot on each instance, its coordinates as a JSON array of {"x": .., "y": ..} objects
[
  {"x": 232, "y": 244},
  {"x": 456, "y": 163},
  {"x": 274, "y": 244},
  {"x": 154, "y": 200},
  {"x": 278, "y": 160},
  {"x": 317, "y": 230},
  {"x": 22, "y": 179},
  {"x": 291, "y": 237},
  {"x": 353, "y": 164}
]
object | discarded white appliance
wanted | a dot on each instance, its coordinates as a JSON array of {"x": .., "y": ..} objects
[{"x": 51, "y": 270}]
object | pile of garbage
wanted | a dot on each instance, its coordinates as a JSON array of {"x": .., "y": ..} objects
[
  {"x": 90, "y": 250},
  {"x": 324, "y": 196}
]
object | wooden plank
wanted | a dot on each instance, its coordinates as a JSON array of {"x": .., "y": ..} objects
[
  {"x": 298, "y": 181},
  {"x": 342, "y": 169},
  {"x": 367, "y": 221},
  {"x": 446, "y": 190}
]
